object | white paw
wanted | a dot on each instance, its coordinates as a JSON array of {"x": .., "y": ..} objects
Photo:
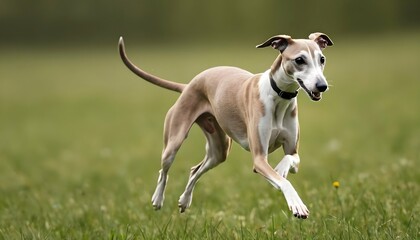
[
  {"x": 298, "y": 208},
  {"x": 294, "y": 202},
  {"x": 283, "y": 167},
  {"x": 157, "y": 199},
  {"x": 159, "y": 194},
  {"x": 184, "y": 202}
]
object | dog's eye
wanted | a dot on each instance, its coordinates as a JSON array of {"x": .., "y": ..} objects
[
  {"x": 322, "y": 60},
  {"x": 299, "y": 61}
]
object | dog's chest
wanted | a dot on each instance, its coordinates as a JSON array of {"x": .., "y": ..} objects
[{"x": 277, "y": 130}]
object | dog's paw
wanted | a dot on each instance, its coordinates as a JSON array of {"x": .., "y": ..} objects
[
  {"x": 289, "y": 163},
  {"x": 159, "y": 194},
  {"x": 294, "y": 202},
  {"x": 283, "y": 167},
  {"x": 182, "y": 208},
  {"x": 157, "y": 202},
  {"x": 156, "y": 206},
  {"x": 157, "y": 199},
  {"x": 299, "y": 209},
  {"x": 184, "y": 202}
]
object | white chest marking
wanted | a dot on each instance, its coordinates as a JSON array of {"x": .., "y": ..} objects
[{"x": 271, "y": 126}]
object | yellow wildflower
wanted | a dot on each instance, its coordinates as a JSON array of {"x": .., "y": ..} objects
[{"x": 336, "y": 184}]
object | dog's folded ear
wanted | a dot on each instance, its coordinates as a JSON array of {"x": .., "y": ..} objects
[
  {"x": 321, "y": 39},
  {"x": 279, "y": 42}
]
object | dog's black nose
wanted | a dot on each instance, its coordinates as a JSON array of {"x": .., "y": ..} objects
[{"x": 322, "y": 87}]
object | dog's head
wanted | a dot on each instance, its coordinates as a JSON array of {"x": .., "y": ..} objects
[{"x": 302, "y": 61}]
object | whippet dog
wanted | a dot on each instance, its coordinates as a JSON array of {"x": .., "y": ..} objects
[{"x": 258, "y": 111}]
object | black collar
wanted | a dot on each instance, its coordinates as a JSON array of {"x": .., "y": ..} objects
[{"x": 282, "y": 94}]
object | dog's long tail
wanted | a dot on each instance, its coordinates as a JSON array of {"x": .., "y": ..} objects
[{"x": 178, "y": 87}]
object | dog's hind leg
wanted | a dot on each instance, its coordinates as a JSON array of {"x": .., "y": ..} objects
[
  {"x": 177, "y": 126},
  {"x": 217, "y": 148}
]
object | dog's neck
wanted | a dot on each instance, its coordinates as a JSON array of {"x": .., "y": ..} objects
[
  {"x": 283, "y": 83},
  {"x": 283, "y": 94}
]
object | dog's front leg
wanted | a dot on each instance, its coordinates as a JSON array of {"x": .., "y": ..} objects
[
  {"x": 293, "y": 200},
  {"x": 291, "y": 160},
  {"x": 259, "y": 149}
]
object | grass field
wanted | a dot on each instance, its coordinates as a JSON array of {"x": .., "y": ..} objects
[{"x": 81, "y": 137}]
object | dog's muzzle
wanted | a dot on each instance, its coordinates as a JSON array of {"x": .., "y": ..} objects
[{"x": 314, "y": 95}]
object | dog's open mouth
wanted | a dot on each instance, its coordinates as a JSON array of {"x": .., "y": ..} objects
[{"x": 315, "y": 96}]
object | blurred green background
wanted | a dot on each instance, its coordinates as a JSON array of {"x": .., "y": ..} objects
[
  {"x": 99, "y": 21},
  {"x": 81, "y": 136}
]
